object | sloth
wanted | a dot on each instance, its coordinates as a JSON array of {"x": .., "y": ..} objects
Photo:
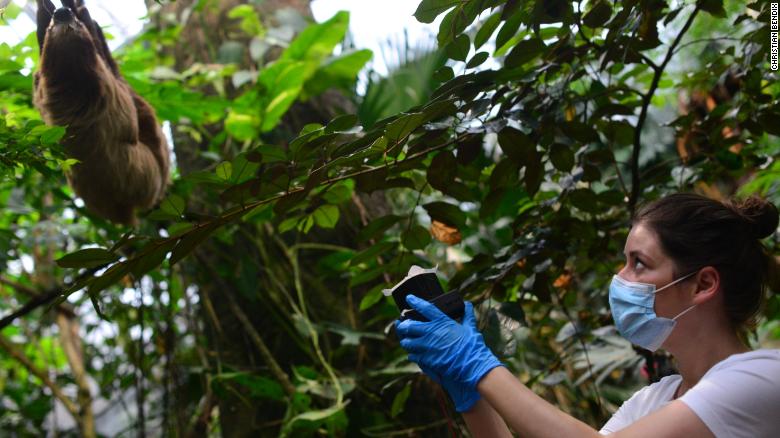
[{"x": 113, "y": 133}]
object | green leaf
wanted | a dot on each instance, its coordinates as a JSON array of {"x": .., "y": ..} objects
[
  {"x": 428, "y": 10},
  {"x": 416, "y": 237},
  {"x": 242, "y": 169},
  {"x": 250, "y": 21},
  {"x": 318, "y": 40},
  {"x": 446, "y": 213},
  {"x": 523, "y": 52},
  {"x": 371, "y": 253},
  {"x": 562, "y": 157},
  {"x": 598, "y": 15},
  {"x": 340, "y": 72},
  {"x": 459, "y": 48},
  {"x": 204, "y": 177},
  {"x": 67, "y": 165},
  {"x": 478, "y": 59},
  {"x": 377, "y": 226},
  {"x": 442, "y": 171},
  {"x": 341, "y": 123},
  {"x": 534, "y": 174},
  {"x": 372, "y": 297},
  {"x": 580, "y": 132},
  {"x": 189, "y": 242},
  {"x": 516, "y": 145},
  {"x": 259, "y": 386},
  {"x": 173, "y": 204},
  {"x": 339, "y": 193},
  {"x": 111, "y": 276},
  {"x": 713, "y": 7},
  {"x": 87, "y": 258},
  {"x": 312, "y": 416},
  {"x": 620, "y": 132},
  {"x": 504, "y": 174},
  {"x": 508, "y": 30},
  {"x": 444, "y": 74},
  {"x": 242, "y": 127},
  {"x": 585, "y": 200},
  {"x": 224, "y": 170},
  {"x": 52, "y": 135},
  {"x": 453, "y": 24},
  {"x": 399, "y": 402},
  {"x": 403, "y": 126},
  {"x": 283, "y": 81},
  {"x": 326, "y": 216},
  {"x": 486, "y": 31},
  {"x": 150, "y": 258}
]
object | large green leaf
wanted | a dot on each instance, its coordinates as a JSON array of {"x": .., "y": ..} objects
[
  {"x": 428, "y": 10},
  {"x": 317, "y": 41},
  {"x": 87, "y": 258}
]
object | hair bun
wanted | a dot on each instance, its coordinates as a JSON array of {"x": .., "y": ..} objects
[{"x": 761, "y": 216}]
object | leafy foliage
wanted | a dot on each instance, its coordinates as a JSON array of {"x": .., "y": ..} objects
[{"x": 517, "y": 175}]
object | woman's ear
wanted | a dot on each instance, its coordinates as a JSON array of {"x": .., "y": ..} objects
[{"x": 707, "y": 284}]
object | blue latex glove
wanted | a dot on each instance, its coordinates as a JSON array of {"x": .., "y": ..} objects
[
  {"x": 463, "y": 397},
  {"x": 455, "y": 352}
]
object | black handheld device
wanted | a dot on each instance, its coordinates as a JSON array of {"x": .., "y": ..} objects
[{"x": 426, "y": 285}]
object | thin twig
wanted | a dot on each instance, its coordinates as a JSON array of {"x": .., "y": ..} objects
[
  {"x": 64, "y": 308},
  {"x": 46, "y": 298},
  {"x": 704, "y": 40},
  {"x": 648, "y": 97},
  {"x": 265, "y": 352}
]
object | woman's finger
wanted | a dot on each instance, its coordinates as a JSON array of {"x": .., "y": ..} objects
[
  {"x": 425, "y": 308},
  {"x": 414, "y": 345},
  {"x": 411, "y": 329}
]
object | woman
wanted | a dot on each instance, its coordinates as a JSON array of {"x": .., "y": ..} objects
[{"x": 693, "y": 284}]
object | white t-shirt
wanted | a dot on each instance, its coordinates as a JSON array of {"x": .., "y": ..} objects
[{"x": 738, "y": 397}]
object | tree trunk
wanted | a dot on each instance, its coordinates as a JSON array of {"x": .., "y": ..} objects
[
  {"x": 236, "y": 346},
  {"x": 70, "y": 339}
]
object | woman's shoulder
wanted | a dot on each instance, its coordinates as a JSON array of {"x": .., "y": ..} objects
[
  {"x": 763, "y": 360},
  {"x": 645, "y": 401},
  {"x": 739, "y": 395},
  {"x": 655, "y": 394}
]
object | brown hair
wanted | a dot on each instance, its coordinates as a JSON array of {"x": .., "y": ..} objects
[{"x": 696, "y": 231}]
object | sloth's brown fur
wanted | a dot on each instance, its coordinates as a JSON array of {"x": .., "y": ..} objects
[{"x": 113, "y": 132}]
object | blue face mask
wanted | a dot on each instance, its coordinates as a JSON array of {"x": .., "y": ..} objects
[{"x": 632, "y": 306}]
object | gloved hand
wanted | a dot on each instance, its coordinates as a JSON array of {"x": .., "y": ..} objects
[
  {"x": 453, "y": 351},
  {"x": 463, "y": 397}
]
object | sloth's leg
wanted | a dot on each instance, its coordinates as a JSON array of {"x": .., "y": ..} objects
[
  {"x": 97, "y": 37},
  {"x": 100, "y": 41},
  {"x": 43, "y": 16}
]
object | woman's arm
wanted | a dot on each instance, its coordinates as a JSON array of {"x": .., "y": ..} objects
[
  {"x": 533, "y": 417},
  {"x": 484, "y": 421},
  {"x": 528, "y": 414}
]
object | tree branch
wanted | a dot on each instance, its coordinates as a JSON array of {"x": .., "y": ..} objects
[
  {"x": 46, "y": 298},
  {"x": 64, "y": 308},
  {"x": 229, "y": 216},
  {"x": 648, "y": 97}
]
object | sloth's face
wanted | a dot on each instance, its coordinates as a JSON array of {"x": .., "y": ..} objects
[
  {"x": 68, "y": 48},
  {"x": 66, "y": 26}
]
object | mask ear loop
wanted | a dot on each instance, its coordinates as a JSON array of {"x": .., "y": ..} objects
[
  {"x": 676, "y": 281},
  {"x": 684, "y": 312}
]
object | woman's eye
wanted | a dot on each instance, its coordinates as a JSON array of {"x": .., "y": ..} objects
[{"x": 638, "y": 264}]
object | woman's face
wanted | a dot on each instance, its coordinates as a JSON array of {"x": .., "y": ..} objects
[{"x": 647, "y": 263}]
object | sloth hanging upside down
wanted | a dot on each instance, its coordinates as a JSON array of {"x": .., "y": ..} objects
[{"x": 113, "y": 132}]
